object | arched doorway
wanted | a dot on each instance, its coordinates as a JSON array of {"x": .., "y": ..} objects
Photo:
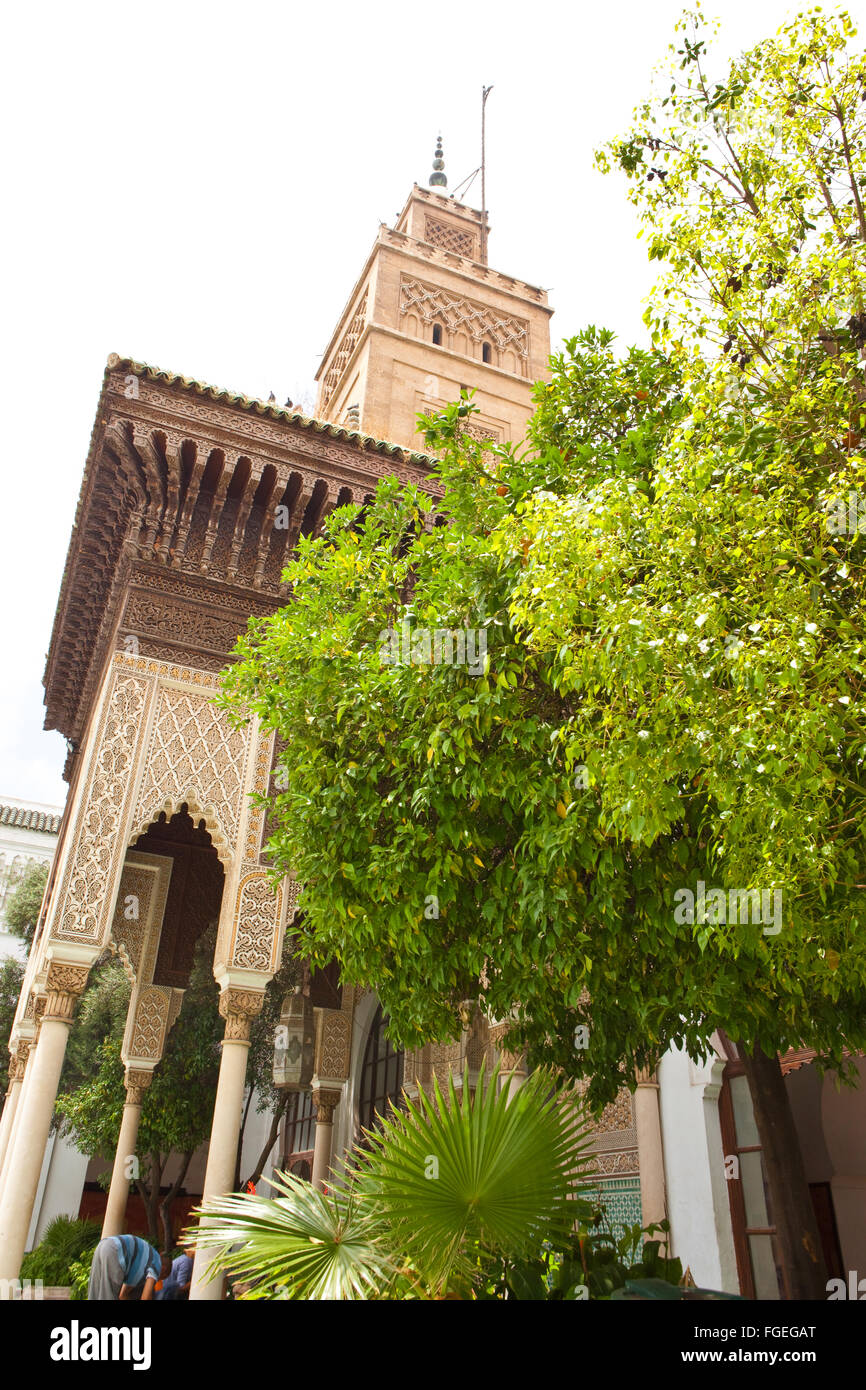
[{"x": 194, "y": 895}]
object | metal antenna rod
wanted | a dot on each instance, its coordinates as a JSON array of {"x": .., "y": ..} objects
[{"x": 485, "y": 93}]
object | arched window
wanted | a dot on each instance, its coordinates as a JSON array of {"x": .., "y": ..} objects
[
  {"x": 486, "y": 352},
  {"x": 381, "y": 1074},
  {"x": 437, "y": 334}
]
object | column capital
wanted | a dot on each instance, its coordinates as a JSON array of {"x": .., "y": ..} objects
[
  {"x": 63, "y": 987},
  {"x": 137, "y": 1081},
  {"x": 326, "y": 1102},
  {"x": 646, "y": 1076},
  {"x": 18, "y": 1059},
  {"x": 239, "y": 1007}
]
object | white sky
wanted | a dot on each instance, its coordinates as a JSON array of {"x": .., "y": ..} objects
[{"x": 197, "y": 186}]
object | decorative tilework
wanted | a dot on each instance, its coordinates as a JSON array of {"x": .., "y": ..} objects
[{"x": 621, "y": 1197}]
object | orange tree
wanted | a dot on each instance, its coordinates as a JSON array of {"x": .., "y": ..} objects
[{"x": 627, "y": 806}]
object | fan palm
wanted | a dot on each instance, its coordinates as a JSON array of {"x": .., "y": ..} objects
[
  {"x": 447, "y": 1186},
  {"x": 475, "y": 1175},
  {"x": 302, "y": 1244}
]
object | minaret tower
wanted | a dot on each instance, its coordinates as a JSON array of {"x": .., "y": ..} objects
[{"x": 428, "y": 317}]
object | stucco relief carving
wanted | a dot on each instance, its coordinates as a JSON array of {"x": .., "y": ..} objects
[
  {"x": 84, "y": 892},
  {"x": 138, "y": 913},
  {"x": 185, "y": 625},
  {"x": 195, "y": 755},
  {"x": 131, "y": 917},
  {"x": 150, "y": 1022},
  {"x": 63, "y": 986},
  {"x": 336, "y": 1043},
  {"x": 256, "y": 921},
  {"x": 256, "y": 819},
  {"x": 137, "y": 1081},
  {"x": 239, "y": 1007},
  {"x": 619, "y": 1163}
]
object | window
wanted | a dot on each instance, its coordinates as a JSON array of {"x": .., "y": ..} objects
[
  {"x": 759, "y": 1264},
  {"x": 381, "y": 1074},
  {"x": 299, "y": 1135},
  {"x": 486, "y": 352},
  {"x": 437, "y": 334}
]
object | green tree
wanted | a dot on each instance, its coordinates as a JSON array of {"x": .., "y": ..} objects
[
  {"x": 672, "y": 687},
  {"x": 178, "y": 1105},
  {"x": 11, "y": 980},
  {"x": 25, "y": 899}
]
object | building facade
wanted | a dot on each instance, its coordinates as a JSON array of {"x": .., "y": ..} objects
[
  {"x": 191, "y": 502},
  {"x": 28, "y": 835}
]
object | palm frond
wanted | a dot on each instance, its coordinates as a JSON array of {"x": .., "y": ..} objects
[
  {"x": 304, "y": 1244},
  {"x": 462, "y": 1172}
]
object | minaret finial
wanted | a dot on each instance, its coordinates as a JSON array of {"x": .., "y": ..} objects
[{"x": 437, "y": 178}]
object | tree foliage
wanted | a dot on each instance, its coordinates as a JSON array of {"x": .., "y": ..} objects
[
  {"x": 672, "y": 692},
  {"x": 25, "y": 899},
  {"x": 11, "y": 980}
]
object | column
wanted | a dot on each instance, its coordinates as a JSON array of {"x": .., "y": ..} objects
[
  {"x": 326, "y": 1103},
  {"x": 238, "y": 1007},
  {"x": 64, "y": 985},
  {"x": 137, "y": 1082},
  {"x": 16, "y": 1076},
  {"x": 513, "y": 1072},
  {"x": 649, "y": 1146},
  {"x": 25, "y": 1071}
]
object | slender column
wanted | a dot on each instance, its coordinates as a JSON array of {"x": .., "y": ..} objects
[
  {"x": 514, "y": 1071},
  {"x": 27, "y": 1055},
  {"x": 16, "y": 1077},
  {"x": 137, "y": 1082},
  {"x": 649, "y": 1146},
  {"x": 238, "y": 1007},
  {"x": 326, "y": 1104},
  {"x": 65, "y": 983}
]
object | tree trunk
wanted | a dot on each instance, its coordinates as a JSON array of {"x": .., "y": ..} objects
[
  {"x": 793, "y": 1213},
  {"x": 237, "y": 1186},
  {"x": 271, "y": 1139},
  {"x": 152, "y": 1203},
  {"x": 166, "y": 1203}
]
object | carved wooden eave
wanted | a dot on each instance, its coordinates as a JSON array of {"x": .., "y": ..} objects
[{"x": 174, "y": 543}]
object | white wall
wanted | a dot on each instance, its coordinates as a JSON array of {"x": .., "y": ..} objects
[
  {"x": 60, "y": 1186},
  {"x": 697, "y": 1198}
]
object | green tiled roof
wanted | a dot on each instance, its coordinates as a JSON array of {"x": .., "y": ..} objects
[
  {"x": 24, "y": 819},
  {"x": 269, "y": 408}
]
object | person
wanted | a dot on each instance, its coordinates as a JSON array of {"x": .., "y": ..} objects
[
  {"x": 177, "y": 1285},
  {"x": 125, "y": 1267}
]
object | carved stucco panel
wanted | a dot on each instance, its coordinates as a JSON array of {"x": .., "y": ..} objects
[
  {"x": 256, "y": 922},
  {"x": 195, "y": 755},
  {"x": 83, "y": 901},
  {"x": 148, "y": 1024}
]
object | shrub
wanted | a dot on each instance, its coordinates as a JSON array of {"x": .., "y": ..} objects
[{"x": 66, "y": 1240}]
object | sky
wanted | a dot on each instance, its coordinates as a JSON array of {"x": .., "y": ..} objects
[{"x": 197, "y": 186}]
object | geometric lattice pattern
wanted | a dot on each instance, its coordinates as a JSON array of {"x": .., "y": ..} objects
[
  {"x": 434, "y": 302},
  {"x": 194, "y": 747},
  {"x": 449, "y": 238},
  {"x": 347, "y": 347}
]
